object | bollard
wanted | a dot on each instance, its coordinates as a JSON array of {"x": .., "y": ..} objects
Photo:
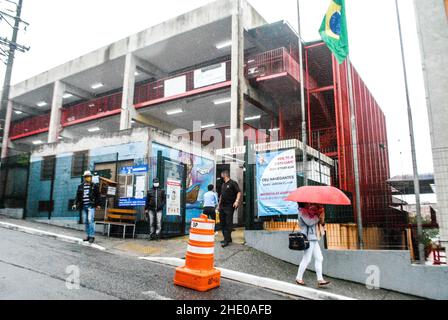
[{"x": 199, "y": 273}]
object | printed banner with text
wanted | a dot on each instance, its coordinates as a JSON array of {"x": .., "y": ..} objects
[{"x": 276, "y": 179}]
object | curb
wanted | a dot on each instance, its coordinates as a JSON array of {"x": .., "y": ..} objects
[
  {"x": 56, "y": 236},
  {"x": 267, "y": 283}
]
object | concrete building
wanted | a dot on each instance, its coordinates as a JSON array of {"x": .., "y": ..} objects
[
  {"x": 432, "y": 20},
  {"x": 220, "y": 67}
]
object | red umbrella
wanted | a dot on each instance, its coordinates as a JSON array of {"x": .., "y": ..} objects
[{"x": 320, "y": 195}]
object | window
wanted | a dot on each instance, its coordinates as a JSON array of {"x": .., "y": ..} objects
[
  {"x": 79, "y": 163},
  {"x": 48, "y": 167},
  {"x": 46, "y": 206}
]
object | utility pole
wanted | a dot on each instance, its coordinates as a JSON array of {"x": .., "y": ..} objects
[
  {"x": 13, "y": 46},
  {"x": 302, "y": 101},
  {"x": 421, "y": 247},
  {"x": 354, "y": 134}
]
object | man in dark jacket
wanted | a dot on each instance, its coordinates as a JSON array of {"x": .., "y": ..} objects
[
  {"x": 87, "y": 199},
  {"x": 155, "y": 202},
  {"x": 230, "y": 201}
]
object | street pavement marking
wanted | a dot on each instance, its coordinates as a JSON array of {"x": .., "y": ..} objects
[
  {"x": 56, "y": 236},
  {"x": 155, "y": 296},
  {"x": 266, "y": 283}
]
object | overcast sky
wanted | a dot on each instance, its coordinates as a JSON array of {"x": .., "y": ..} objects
[{"x": 63, "y": 30}]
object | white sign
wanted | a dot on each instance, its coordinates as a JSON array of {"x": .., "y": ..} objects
[
  {"x": 140, "y": 186},
  {"x": 276, "y": 145},
  {"x": 111, "y": 191},
  {"x": 175, "y": 86},
  {"x": 210, "y": 75},
  {"x": 130, "y": 191},
  {"x": 231, "y": 151},
  {"x": 173, "y": 195}
]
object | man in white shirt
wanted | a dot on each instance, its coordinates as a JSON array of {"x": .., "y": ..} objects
[{"x": 210, "y": 202}]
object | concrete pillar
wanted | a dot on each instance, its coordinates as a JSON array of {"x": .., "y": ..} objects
[
  {"x": 7, "y": 127},
  {"x": 433, "y": 33},
  {"x": 127, "y": 104},
  {"x": 56, "y": 112},
  {"x": 237, "y": 96}
]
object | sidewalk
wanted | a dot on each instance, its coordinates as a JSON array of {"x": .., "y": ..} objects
[{"x": 236, "y": 257}]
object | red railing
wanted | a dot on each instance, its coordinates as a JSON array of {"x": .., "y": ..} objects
[
  {"x": 271, "y": 63},
  {"x": 93, "y": 109},
  {"x": 30, "y": 126},
  {"x": 156, "y": 90}
]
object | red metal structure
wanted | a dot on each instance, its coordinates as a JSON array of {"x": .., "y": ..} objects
[{"x": 329, "y": 127}]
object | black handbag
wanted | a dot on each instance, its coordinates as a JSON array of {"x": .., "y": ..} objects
[{"x": 298, "y": 241}]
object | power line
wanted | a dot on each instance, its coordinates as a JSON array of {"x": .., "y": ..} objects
[{"x": 12, "y": 47}]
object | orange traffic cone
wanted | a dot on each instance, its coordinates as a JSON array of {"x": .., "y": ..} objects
[{"x": 199, "y": 273}]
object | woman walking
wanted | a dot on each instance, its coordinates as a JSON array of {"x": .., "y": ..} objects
[{"x": 312, "y": 223}]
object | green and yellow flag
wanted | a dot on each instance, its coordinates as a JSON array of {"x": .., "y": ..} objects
[{"x": 334, "y": 30}]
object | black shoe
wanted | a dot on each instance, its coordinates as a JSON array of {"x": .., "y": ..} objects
[
  {"x": 91, "y": 240},
  {"x": 225, "y": 244},
  {"x": 87, "y": 239},
  {"x": 222, "y": 242}
]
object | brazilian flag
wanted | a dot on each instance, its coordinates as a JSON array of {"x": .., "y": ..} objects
[{"x": 334, "y": 30}]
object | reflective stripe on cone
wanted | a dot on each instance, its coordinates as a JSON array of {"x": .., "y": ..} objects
[
  {"x": 202, "y": 238},
  {"x": 201, "y": 250}
]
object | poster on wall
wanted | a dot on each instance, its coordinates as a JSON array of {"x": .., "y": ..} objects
[
  {"x": 276, "y": 179},
  {"x": 173, "y": 196},
  {"x": 175, "y": 86},
  {"x": 140, "y": 187},
  {"x": 210, "y": 75},
  {"x": 200, "y": 173},
  {"x": 132, "y": 186}
]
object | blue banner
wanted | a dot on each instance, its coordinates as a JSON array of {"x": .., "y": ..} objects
[
  {"x": 276, "y": 179},
  {"x": 135, "y": 169}
]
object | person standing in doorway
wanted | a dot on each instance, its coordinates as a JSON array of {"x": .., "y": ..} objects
[
  {"x": 210, "y": 202},
  {"x": 87, "y": 199},
  {"x": 228, "y": 203},
  {"x": 155, "y": 203}
]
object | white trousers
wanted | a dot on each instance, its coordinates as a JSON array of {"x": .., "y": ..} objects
[{"x": 313, "y": 251}]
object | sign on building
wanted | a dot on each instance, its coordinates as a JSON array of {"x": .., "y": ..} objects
[
  {"x": 276, "y": 179},
  {"x": 210, "y": 75},
  {"x": 173, "y": 197},
  {"x": 175, "y": 86},
  {"x": 231, "y": 151},
  {"x": 132, "y": 186}
]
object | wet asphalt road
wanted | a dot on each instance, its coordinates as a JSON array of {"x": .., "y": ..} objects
[{"x": 33, "y": 267}]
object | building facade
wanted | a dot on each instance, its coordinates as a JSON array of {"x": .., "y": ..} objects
[
  {"x": 432, "y": 23},
  {"x": 220, "y": 67}
]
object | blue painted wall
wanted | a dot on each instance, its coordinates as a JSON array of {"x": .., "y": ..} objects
[{"x": 65, "y": 186}]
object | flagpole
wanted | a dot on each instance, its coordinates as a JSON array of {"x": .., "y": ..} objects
[
  {"x": 421, "y": 248},
  {"x": 302, "y": 102},
  {"x": 354, "y": 133}
]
